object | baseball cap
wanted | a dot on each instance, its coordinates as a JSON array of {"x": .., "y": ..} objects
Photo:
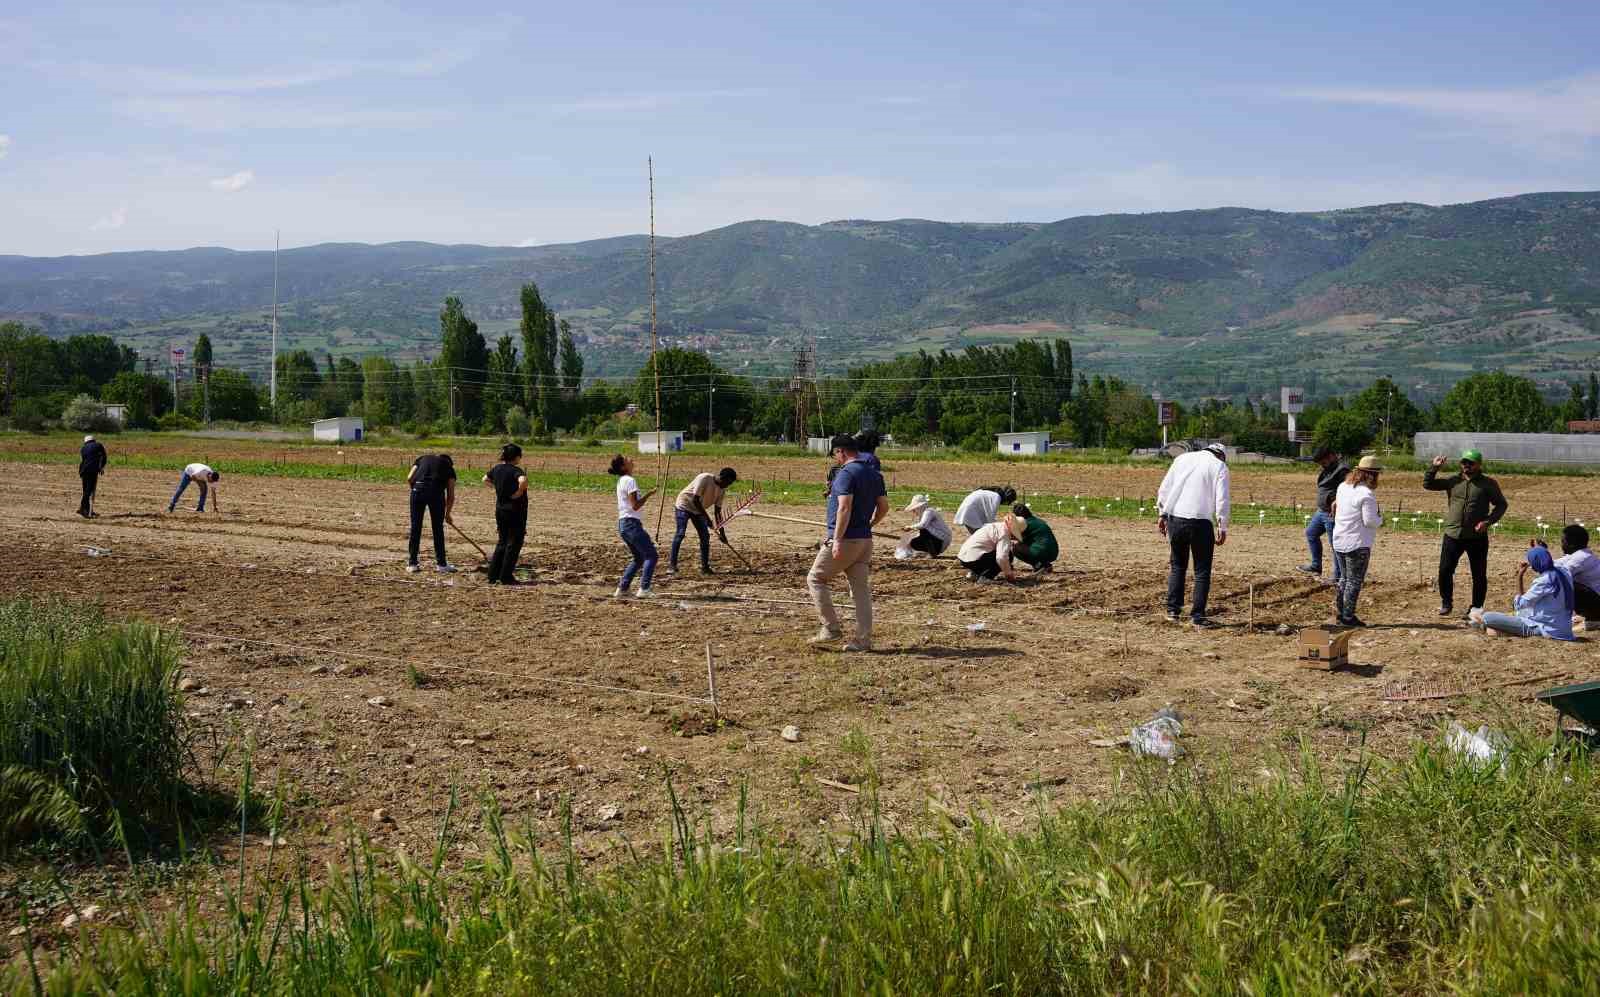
[
  {"x": 1218, "y": 449},
  {"x": 1475, "y": 456}
]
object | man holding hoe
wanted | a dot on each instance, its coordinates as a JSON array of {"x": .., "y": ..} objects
[
  {"x": 857, "y": 502},
  {"x": 703, "y": 492}
]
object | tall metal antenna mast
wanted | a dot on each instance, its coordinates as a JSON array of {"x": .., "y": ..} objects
[
  {"x": 273, "y": 393},
  {"x": 655, "y": 366}
]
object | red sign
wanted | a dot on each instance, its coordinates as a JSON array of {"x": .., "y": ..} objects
[{"x": 1167, "y": 413}]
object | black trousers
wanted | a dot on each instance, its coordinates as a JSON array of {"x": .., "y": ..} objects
[
  {"x": 1477, "y": 551},
  {"x": 928, "y": 543},
  {"x": 91, "y": 480},
  {"x": 430, "y": 500},
  {"x": 512, "y": 525},
  {"x": 986, "y": 566},
  {"x": 1586, "y": 602},
  {"x": 1190, "y": 538}
]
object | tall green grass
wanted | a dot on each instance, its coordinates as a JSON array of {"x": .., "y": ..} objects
[
  {"x": 91, "y": 730},
  {"x": 1424, "y": 876}
]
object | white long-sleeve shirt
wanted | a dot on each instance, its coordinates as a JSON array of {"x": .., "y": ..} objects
[
  {"x": 977, "y": 509},
  {"x": 1196, "y": 487},
  {"x": 1355, "y": 518}
]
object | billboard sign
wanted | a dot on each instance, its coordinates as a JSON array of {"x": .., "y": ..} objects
[
  {"x": 1292, "y": 401},
  {"x": 178, "y": 353},
  {"x": 1167, "y": 413}
]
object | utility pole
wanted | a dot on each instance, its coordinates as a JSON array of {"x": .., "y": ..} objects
[
  {"x": 1388, "y": 415},
  {"x": 711, "y": 415},
  {"x": 451, "y": 397},
  {"x": 1013, "y": 403},
  {"x": 150, "y": 387},
  {"x": 273, "y": 391},
  {"x": 204, "y": 370}
]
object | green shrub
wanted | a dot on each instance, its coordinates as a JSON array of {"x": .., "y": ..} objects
[
  {"x": 86, "y": 415},
  {"x": 176, "y": 422},
  {"x": 518, "y": 423},
  {"x": 30, "y": 415},
  {"x": 89, "y": 715}
]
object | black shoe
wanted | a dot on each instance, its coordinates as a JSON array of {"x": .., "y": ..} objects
[
  {"x": 1310, "y": 569},
  {"x": 1351, "y": 621},
  {"x": 1202, "y": 623},
  {"x": 1445, "y": 611},
  {"x": 705, "y": 569}
]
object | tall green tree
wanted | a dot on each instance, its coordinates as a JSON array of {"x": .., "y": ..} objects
[
  {"x": 202, "y": 350},
  {"x": 571, "y": 360},
  {"x": 148, "y": 397},
  {"x": 1495, "y": 402},
  {"x": 379, "y": 392},
  {"x": 1384, "y": 406},
  {"x": 299, "y": 378},
  {"x": 29, "y": 364},
  {"x": 1592, "y": 406},
  {"x": 539, "y": 348},
  {"x": 464, "y": 358},
  {"x": 503, "y": 389}
]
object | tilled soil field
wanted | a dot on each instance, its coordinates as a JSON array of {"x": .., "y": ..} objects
[{"x": 372, "y": 693}]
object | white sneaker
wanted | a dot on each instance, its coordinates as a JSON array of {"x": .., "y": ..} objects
[
  {"x": 644, "y": 594},
  {"x": 826, "y": 636},
  {"x": 446, "y": 569},
  {"x": 858, "y": 647},
  {"x": 619, "y": 593},
  {"x": 412, "y": 569}
]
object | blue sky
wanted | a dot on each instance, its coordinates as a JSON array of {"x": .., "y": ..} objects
[{"x": 124, "y": 127}]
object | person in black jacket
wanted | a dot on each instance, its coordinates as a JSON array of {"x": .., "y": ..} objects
[
  {"x": 433, "y": 490},
  {"x": 91, "y": 464},
  {"x": 1334, "y": 470},
  {"x": 510, "y": 484}
]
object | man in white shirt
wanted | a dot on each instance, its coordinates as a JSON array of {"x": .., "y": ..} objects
[
  {"x": 203, "y": 476},
  {"x": 978, "y": 509},
  {"x": 1192, "y": 513},
  {"x": 1584, "y": 567}
]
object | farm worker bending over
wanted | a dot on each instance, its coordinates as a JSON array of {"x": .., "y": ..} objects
[
  {"x": 703, "y": 492},
  {"x": 1545, "y": 610},
  {"x": 1475, "y": 504},
  {"x": 978, "y": 508},
  {"x": 987, "y": 553},
  {"x": 1584, "y": 567},
  {"x": 630, "y": 526},
  {"x": 929, "y": 536},
  {"x": 1192, "y": 513},
  {"x": 510, "y": 485},
  {"x": 856, "y": 503},
  {"x": 433, "y": 489},
  {"x": 203, "y": 476},
  {"x": 1332, "y": 475},
  {"x": 1037, "y": 546},
  {"x": 91, "y": 464},
  {"x": 1355, "y": 528}
]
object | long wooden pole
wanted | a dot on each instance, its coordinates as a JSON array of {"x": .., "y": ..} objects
[
  {"x": 655, "y": 367},
  {"x": 811, "y": 522}
]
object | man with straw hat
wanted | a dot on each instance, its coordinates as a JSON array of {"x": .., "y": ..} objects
[
  {"x": 929, "y": 536},
  {"x": 1474, "y": 503},
  {"x": 987, "y": 553},
  {"x": 1355, "y": 527}
]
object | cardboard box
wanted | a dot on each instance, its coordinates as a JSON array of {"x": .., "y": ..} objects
[{"x": 1324, "y": 647}]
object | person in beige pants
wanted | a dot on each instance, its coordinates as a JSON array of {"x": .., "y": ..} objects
[{"x": 856, "y": 503}]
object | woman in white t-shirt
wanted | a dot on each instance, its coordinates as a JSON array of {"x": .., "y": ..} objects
[
  {"x": 930, "y": 536},
  {"x": 630, "y": 526},
  {"x": 1355, "y": 528}
]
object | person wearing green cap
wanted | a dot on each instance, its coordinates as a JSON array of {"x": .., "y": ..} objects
[{"x": 1474, "y": 503}]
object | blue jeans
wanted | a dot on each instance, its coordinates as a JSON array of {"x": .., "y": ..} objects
[
  {"x": 183, "y": 483},
  {"x": 1321, "y": 523},
  {"x": 643, "y": 550},
  {"x": 1516, "y": 626},
  {"x": 681, "y": 521}
]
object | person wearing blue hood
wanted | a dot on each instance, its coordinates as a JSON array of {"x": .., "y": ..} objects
[{"x": 1545, "y": 609}]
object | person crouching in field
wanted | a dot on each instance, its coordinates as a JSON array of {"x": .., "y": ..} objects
[
  {"x": 978, "y": 509},
  {"x": 929, "y": 536},
  {"x": 433, "y": 490},
  {"x": 1037, "y": 545},
  {"x": 1355, "y": 527},
  {"x": 700, "y": 498},
  {"x": 987, "y": 553},
  {"x": 510, "y": 484},
  {"x": 1584, "y": 567},
  {"x": 1544, "y": 610},
  {"x": 630, "y": 526},
  {"x": 206, "y": 479}
]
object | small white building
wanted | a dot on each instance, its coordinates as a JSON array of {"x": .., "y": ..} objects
[
  {"x": 345, "y": 429},
  {"x": 819, "y": 444},
  {"x": 1024, "y": 444},
  {"x": 661, "y": 441},
  {"x": 116, "y": 413}
]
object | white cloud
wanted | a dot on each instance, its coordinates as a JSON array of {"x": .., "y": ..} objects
[
  {"x": 1560, "y": 109},
  {"x": 111, "y": 222},
  {"x": 234, "y": 182},
  {"x": 222, "y": 113},
  {"x": 529, "y": 243},
  {"x": 5, "y": 145}
]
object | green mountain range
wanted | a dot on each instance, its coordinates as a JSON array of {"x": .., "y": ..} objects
[{"x": 1218, "y": 302}]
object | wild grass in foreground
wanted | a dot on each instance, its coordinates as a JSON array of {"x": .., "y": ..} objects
[
  {"x": 91, "y": 730},
  {"x": 1422, "y": 876}
]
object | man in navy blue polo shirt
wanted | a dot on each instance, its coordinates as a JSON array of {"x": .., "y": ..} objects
[{"x": 856, "y": 503}]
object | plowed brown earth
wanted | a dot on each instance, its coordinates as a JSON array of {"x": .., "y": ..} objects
[{"x": 555, "y": 690}]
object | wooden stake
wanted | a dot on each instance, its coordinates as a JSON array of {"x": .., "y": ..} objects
[
  {"x": 711, "y": 682},
  {"x": 1252, "y": 606}
]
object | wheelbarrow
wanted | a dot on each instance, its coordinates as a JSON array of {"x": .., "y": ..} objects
[{"x": 1580, "y": 702}]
